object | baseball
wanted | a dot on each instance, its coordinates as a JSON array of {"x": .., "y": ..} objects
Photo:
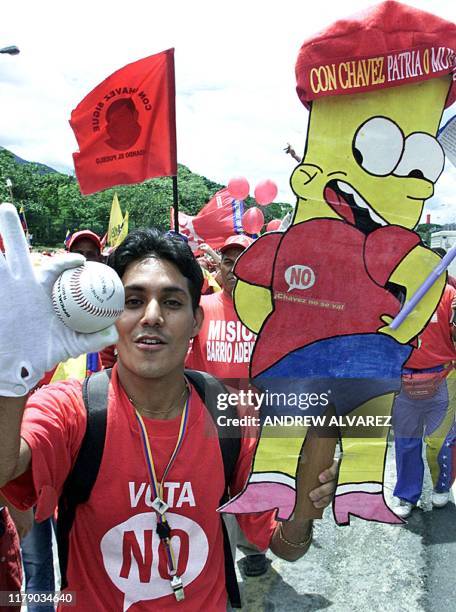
[{"x": 88, "y": 298}]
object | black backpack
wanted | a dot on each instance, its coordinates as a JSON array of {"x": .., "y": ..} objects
[{"x": 80, "y": 481}]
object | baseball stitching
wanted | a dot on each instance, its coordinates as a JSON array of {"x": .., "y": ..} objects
[
  {"x": 78, "y": 296},
  {"x": 55, "y": 303}
]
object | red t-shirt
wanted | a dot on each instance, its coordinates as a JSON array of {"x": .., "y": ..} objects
[
  {"x": 115, "y": 562},
  {"x": 327, "y": 278},
  {"x": 436, "y": 346},
  {"x": 224, "y": 345}
]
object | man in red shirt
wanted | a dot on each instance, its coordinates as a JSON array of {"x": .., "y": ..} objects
[
  {"x": 422, "y": 408},
  {"x": 161, "y": 456},
  {"x": 223, "y": 345}
]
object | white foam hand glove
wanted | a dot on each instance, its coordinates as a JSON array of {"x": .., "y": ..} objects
[{"x": 32, "y": 338}]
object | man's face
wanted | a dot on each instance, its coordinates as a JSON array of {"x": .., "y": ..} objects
[
  {"x": 226, "y": 268},
  {"x": 88, "y": 248},
  {"x": 158, "y": 321}
]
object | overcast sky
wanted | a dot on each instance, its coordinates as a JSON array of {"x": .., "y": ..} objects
[{"x": 236, "y": 101}]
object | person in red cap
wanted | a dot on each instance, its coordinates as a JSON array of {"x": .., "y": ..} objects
[
  {"x": 223, "y": 345},
  {"x": 86, "y": 243},
  {"x": 322, "y": 295}
]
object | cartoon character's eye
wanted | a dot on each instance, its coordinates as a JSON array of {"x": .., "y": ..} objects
[
  {"x": 423, "y": 158},
  {"x": 378, "y": 145}
]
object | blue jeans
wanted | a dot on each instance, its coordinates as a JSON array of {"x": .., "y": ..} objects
[
  {"x": 38, "y": 562},
  {"x": 353, "y": 368},
  {"x": 413, "y": 419}
]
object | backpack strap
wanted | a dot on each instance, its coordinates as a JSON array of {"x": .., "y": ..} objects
[
  {"x": 80, "y": 481},
  {"x": 208, "y": 388}
]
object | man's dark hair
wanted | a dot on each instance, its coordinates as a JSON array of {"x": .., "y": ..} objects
[{"x": 150, "y": 242}]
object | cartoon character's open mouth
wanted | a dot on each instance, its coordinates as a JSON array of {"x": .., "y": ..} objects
[{"x": 351, "y": 206}]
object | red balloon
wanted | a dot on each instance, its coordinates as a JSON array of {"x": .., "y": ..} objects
[
  {"x": 273, "y": 225},
  {"x": 253, "y": 220},
  {"x": 265, "y": 192},
  {"x": 238, "y": 188}
]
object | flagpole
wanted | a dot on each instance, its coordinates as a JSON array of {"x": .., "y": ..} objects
[{"x": 175, "y": 204}]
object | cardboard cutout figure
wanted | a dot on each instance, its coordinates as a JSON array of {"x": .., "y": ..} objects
[{"x": 321, "y": 295}]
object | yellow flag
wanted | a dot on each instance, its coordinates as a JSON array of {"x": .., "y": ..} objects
[
  {"x": 115, "y": 222},
  {"x": 73, "y": 368},
  {"x": 123, "y": 230}
]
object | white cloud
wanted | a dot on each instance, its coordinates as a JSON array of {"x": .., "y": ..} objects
[{"x": 236, "y": 101}]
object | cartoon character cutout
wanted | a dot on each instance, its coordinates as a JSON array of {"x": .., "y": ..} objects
[{"x": 321, "y": 295}]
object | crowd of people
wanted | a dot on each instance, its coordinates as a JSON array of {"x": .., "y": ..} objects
[{"x": 159, "y": 449}]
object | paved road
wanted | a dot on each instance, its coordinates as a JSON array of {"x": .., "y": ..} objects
[{"x": 367, "y": 566}]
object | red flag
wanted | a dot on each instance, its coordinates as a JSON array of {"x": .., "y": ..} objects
[
  {"x": 219, "y": 219},
  {"x": 126, "y": 126}
]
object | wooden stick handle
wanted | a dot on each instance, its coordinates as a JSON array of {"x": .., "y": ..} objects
[{"x": 317, "y": 455}]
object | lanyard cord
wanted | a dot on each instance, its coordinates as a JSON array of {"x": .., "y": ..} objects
[{"x": 163, "y": 528}]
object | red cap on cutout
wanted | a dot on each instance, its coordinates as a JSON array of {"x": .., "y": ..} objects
[{"x": 386, "y": 45}]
